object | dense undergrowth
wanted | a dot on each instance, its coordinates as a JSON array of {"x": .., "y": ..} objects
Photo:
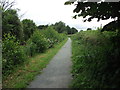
[
  {"x": 15, "y": 54},
  {"x": 96, "y": 60},
  {"x": 25, "y": 73}
]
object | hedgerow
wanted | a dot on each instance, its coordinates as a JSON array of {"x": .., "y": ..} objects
[
  {"x": 15, "y": 54},
  {"x": 96, "y": 60}
]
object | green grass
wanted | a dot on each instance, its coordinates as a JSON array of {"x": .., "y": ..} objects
[{"x": 23, "y": 75}]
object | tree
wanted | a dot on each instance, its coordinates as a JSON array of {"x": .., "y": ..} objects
[
  {"x": 74, "y": 30},
  {"x": 89, "y": 29},
  {"x": 28, "y": 28},
  {"x": 11, "y": 23},
  {"x": 42, "y": 27},
  {"x": 59, "y": 26},
  {"x": 6, "y": 4},
  {"x": 68, "y": 29},
  {"x": 10, "y": 20},
  {"x": 101, "y": 11}
]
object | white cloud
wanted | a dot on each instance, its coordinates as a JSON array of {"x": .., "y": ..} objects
[{"x": 51, "y": 11}]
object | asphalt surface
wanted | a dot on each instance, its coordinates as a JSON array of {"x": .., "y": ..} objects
[{"x": 57, "y": 72}]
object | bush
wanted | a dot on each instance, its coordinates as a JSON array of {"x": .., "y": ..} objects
[
  {"x": 96, "y": 60},
  {"x": 40, "y": 41},
  {"x": 30, "y": 48},
  {"x": 15, "y": 54},
  {"x": 52, "y": 36},
  {"x": 12, "y": 53}
]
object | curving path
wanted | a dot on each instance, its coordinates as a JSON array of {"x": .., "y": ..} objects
[{"x": 57, "y": 73}]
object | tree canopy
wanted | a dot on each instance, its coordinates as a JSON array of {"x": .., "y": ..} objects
[
  {"x": 10, "y": 20},
  {"x": 28, "y": 28},
  {"x": 11, "y": 23},
  {"x": 42, "y": 27},
  {"x": 100, "y": 10},
  {"x": 60, "y": 27}
]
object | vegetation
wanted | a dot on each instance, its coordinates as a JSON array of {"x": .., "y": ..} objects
[
  {"x": 25, "y": 73},
  {"x": 60, "y": 27},
  {"x": 41, "y": 27},
  {"x": 22, "y": 40},
  {"x": 28, "y": 28},
  {"x": 12, "y": 54},
  {"x": 96, "y": 60},
  {"x": 100, "y": 10},
  {"x": 89, "y": 29},
  {"x": 11, "y": 23},
  {"x": 96, "y": 55},
  {"x": 6, "y": 5},
  {"x": 27, "y": 48}
]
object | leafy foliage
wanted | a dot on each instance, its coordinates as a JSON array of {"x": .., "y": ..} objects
[
  {"x": 22, "y": 39},
  {"x": 41, "y": 27},
  {"x": 96, "y": 10},
  {"x": 95, "y": 64},
  {"x": 28, "y": 28},
  {"x": 101, "y": 11},
  {"x": 11, "y": 23},
  {"x": 30, "y": 48},
  {"x": 40, "y": 41},
  {"x": 60, "y": 27},
  {"x": 52, "y": 36},
  {"x": 112, "y": 26},
  {"x": 12, "y": 54}
]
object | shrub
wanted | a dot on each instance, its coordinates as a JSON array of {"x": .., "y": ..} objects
[
  {"x": 30, "y": 48},
  {"x": 52, "y": 36},
  {"x": 40, "y": 41},
  {"x": 96, "y": 60},
  {"x": 12, "y": 53}
]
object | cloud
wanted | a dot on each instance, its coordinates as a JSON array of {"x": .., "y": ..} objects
[{"x": 51, "y": 11}]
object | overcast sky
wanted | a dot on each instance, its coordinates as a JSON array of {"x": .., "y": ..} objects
[{"x": 44, "y": 12}]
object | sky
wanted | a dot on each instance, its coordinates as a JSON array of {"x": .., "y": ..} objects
[{"x": 44, "y": 12}]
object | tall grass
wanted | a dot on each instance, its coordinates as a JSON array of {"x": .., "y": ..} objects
[{"x": 96, "y": 60}]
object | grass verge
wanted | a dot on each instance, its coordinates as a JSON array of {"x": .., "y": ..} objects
[{"x": 26, "y": 73}]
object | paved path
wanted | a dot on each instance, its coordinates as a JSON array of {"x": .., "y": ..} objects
[{"x": 57, "y": 73}]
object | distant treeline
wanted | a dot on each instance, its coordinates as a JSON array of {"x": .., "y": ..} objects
[{"x": 60, "y": 27}]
